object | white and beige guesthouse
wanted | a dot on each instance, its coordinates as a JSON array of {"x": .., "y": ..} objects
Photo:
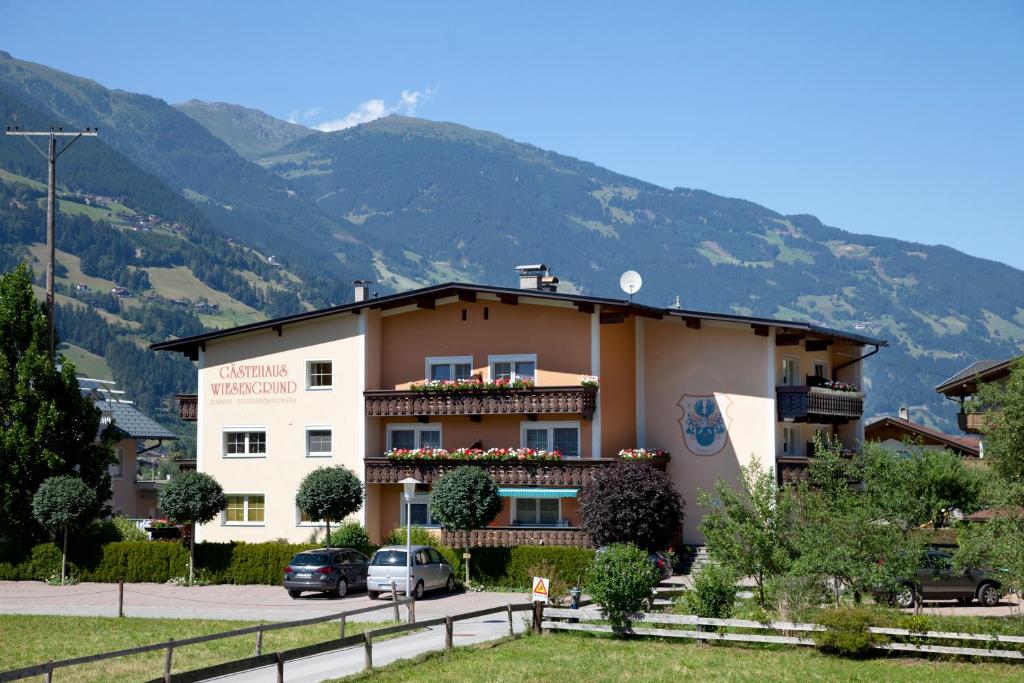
[{"x": 349, "y": 386}]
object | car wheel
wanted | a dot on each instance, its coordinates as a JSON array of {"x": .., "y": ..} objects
[
  {"x": 341, "y": 590},
  {"x": 373, "y": 595},
  {"x": 294, "y": 594},
  {"x": 988, "y": 595},
  {"x": 417, "y": 592},
  {"x": 905, "y": 597},
  {"x": 450, "y": 586}
]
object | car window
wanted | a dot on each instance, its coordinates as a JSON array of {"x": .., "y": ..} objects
[
  {"x": 357, "y": 558},
  {"x": 422, "y": 557},
  {"x": 339, "y": 558},
  {"x": 388, "y": 558},
  {"x": 309, "y": 559},
  {"x": 435, "y": 556}
]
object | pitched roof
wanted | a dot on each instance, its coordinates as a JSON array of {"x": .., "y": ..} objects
[
  {"x": 190, "y": 345},
  {"x": 131, "y": 421},
  {"x": 964, "y": 445},
  {"x": 979, "y": 370}
]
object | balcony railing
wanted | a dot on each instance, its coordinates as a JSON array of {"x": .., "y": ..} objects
[
  {"x": 539, "y": 400},
  {"x": 971, "y": 423},
  {"x": 188, "y": 407},
  {"x": 818, "y": 404},
  {"x": 506, "y": 537},
  {"x": 577, "y": 473}
]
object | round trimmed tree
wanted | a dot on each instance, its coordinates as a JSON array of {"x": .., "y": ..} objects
[
  {"x": 61, "y": 503},
  {"x": 330, "y": 493},
  {"x": 631, "y": 502},
  {"x": 465, "y": 499},
  {"x": 192, "y": 498}
]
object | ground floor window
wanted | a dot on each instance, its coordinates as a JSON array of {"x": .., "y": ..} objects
[
  {"x": 305, "y": 520},
  {"x": 419, "y": 509},
  {"x": 245, "y": 508},
  {"x": 536, "y": 512}
]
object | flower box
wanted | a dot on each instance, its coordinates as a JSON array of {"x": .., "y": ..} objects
[
  {"x": 474, "y": 454},
  {"x": 644, "y": 454}
]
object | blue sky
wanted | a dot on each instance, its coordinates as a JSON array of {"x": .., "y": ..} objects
[{"x": 901, "y": 119}]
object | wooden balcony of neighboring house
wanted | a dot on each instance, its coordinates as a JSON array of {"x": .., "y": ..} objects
[
  {"x": 566, "y": 472},
  {"x": 567, "y": 400},
  {"x": 508, "y": 536},
  {"x": 972, "y": 423},
  {"x": 188, "y": 406},
  {"x": 818, "y": 405}
]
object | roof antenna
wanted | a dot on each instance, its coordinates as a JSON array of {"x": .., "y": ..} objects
[
  {"x": 677, "y": 304},
  {"x": 630, "y": 283}
]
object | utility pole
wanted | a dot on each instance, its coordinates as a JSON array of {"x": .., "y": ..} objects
[{"x": 51, "y": 155}]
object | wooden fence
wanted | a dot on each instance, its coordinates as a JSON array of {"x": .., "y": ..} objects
[{"x": 557, "y": 619}]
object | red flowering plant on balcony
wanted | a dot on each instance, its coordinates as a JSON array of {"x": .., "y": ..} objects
[
  {"x": 473, "y": 454},
  {"x": 471, "y": 384},
  {"x": 644, "y": 454},
  {"x": 838, "y": 386}
]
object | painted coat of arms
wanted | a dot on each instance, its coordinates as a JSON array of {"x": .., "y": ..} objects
[{"x": 704, "y": 423}]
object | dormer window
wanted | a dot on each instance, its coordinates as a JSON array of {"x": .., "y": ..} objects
[
  {"x": 512, "y": 368},
  {"x": 448, "y": 368}
]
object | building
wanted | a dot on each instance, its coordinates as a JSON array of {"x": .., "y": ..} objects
[
  {"x": 345, "y": 385},
  {"x": 963, "y": 385},
  {"x": 896, "y": 432}
]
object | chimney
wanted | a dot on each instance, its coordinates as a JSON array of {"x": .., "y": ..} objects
[
  {"x": 362, "y": 290},
  {"x": 536, "y": 277},
  {"x": 905, "y": 414}
]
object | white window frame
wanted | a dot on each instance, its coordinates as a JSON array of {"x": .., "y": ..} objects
[
  {"x": 550, "y": 427},
  {"x": 298, "y": 518},
  {"x": 308, "y": 363},
  {"x": 823, "y": 363},
  {"x": 305, "y": 440},
  {"x": 446, "y": 360},
  {"x": 419, "y": 498},
  {"x": 243, "y": 428},
  {"x": 796, "y": 378},
  {"x": 224, "y": 515},
  {"x": 416, "y": 427},
  {"x": 794, "y": 450},
  {"x": 119, "y": 451},
  {"x": 538, "y": 525},
  {"x": 512, "y": 358}
]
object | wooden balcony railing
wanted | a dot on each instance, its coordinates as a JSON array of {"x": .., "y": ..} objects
[
  {"x": 539, "y": 400},
  {"x": 577, "y": 473},
  {"x": 506, "y": 537},
  {"x": 817, "y": 404},
  {"x": 188, "y": 407},
  {"x": 972, "y": 423}
]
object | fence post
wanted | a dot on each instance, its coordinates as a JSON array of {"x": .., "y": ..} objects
[
  {"x": 394, "y": 601},
  {"x": 368, "y": 650},
  {"x": 511, "y": 630},
  {"x": 449, "y": 628},
  {"x": 48, "y": 676},
  {"x": 538, "y": 616},
  {"x": 341, "y": 626},
  {"x": 259, "y": 641},
  {"x": 167, "y": 660},
  {"x": 412, "y": 610},
  {"x": 120, "y": 599},
  {"x": 280, "y": 668}
]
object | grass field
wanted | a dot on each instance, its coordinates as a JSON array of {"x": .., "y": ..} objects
[
  {"x": 86, "y": 363},
  {"x": 27, "y": 640},
  {"x": 572, "y": 657},
  {"x": 179, "y": 283}
]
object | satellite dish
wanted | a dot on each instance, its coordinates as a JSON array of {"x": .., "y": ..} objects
[{"x": 630, "y": 282}]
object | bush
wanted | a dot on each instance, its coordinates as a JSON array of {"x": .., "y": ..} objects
[
  {"x": 797, "y": 596},
  {"x": 631, "y": 502},
  {"x": 713, "y": 594},
  {"x": 621, "y": 579},
  {"x": 420, "y": 536},
  {"x": 127, "y": 531},
  {"x": 846, "y": 632},
  {"x": 246, "y": 563},
  {"x": 143, "y": 562},
  {"x": 351, "y": 535}
]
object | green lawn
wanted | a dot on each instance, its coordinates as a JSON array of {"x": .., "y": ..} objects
[
  {"x": 27, "y": 640},
  {"x": 580, "y": 657}
]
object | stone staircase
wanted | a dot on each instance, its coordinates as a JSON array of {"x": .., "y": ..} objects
[{"x": 691, "y": 561}]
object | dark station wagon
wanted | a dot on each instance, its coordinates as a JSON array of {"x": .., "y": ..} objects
[{"x": 334, "y": 571}]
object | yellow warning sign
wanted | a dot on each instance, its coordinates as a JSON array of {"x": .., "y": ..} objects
[{"x": 541, "y": 588}]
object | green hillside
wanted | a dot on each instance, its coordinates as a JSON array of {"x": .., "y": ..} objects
[{"x": 249, "y": 132}]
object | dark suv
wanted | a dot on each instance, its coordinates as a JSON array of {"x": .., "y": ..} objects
[
  {"x": 334, "y": 571},
  {"x": 939, "y": 580}
]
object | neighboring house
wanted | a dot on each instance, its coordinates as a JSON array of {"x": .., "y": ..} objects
[
  {"x": 131, "y": 497},
  {"x": 895, "y": 433},
  {"x": 964, "y": 384},
  {"x": 337, "y": 386}
]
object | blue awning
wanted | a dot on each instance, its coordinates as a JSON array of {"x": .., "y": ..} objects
[{"x": 538, "y": 493}]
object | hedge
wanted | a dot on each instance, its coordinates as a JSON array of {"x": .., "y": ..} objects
[{"x": 512, "y": 568}]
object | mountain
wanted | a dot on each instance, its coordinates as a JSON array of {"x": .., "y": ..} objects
[
  {"x": 249, "y": 132},
  {"x": 409, "y": 202}
]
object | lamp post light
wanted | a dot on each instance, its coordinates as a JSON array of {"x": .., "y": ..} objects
[{"x": 409, "y": 486}]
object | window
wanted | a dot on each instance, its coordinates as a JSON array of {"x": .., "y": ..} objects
[
  {"x": 511, "y": 368},
  {"x": 410, "y": 436},
  {"x": 790, "y": 371},
  {"x": 449, "y": 367},
  {"x": 789, "y": 441},
  {"x": 537, "y": 512},
  {"x": 242, "y": 443},
  {"x": 819, "y": 369},
  {"x": 302, "y": 519},
  {"x": 116, "y": 469},
  {"x": 318, "y": 442},
  {"x": 419, "y": 507},
  {"x": 245, "y": 508},
  {"x": 563, "y": 437},
  {"x": 319, "y": 374}
]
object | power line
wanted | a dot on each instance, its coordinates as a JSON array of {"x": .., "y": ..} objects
[{"x": 51, "y": 155}]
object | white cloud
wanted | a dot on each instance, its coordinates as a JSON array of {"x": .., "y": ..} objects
[
  {"x": 312, "y": 111},
  {"x": 371, "y": 110},
  {"x": 293, "y": 116}
]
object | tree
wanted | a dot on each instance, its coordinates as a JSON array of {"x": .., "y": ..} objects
[
  {"x": 47, "y": 428},
  {"x": 330, "y": 493},
  {"x": 192, "y": 498},
  {"x": 621, "y": 579},
  {"x": 465, "y": 499},
  {"x": 631, "y": 502},
  {"x": 61, "y": 503},
  {"x": 749, "y": 530}
]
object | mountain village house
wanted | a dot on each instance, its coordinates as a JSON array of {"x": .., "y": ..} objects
[{"x": 347, "y": 385}]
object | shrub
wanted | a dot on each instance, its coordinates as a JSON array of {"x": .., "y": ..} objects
[
  {"x": 61, "y": 503},
  {"x": 127, "y": 531},
  {"x": 143, "y": 561},
  {"x": 246, "y": 563},
  {"x": 621, "y": 579},
  {"x": 846, "y": 632},
  {"x": 631, "y": 502},
  {"x": 796, "y": 596},
  {"x": 420, "y": 536},
  {"x": 713, "y": 594},
  {"x": 351, "y": 535}
]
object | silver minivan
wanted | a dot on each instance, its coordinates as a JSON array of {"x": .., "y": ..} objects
[{"x": 429, "y": 571}]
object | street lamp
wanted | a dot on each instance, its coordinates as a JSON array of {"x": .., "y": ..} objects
[{"x": 409, "y": 486}]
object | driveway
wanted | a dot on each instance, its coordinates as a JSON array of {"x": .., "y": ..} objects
[{"x": 246, "y": 603}]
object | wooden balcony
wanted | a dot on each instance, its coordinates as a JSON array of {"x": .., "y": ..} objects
[
  {"x": 818, "y": 405},
  {"x": 508, "y": 536},
  {"x": 188, "y": 406},
  {"x": 575, "y": 473},
  {"x": 972, "y": 423},
  {"x": 536, "y": 401}
]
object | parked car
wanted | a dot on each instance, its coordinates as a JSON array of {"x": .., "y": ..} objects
[
  {"x": 334, "y": 571},
  {"x": 429, "y": 571},
  {"x": 939, "y": 580},
  {"x": 661, "y": 561}
]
